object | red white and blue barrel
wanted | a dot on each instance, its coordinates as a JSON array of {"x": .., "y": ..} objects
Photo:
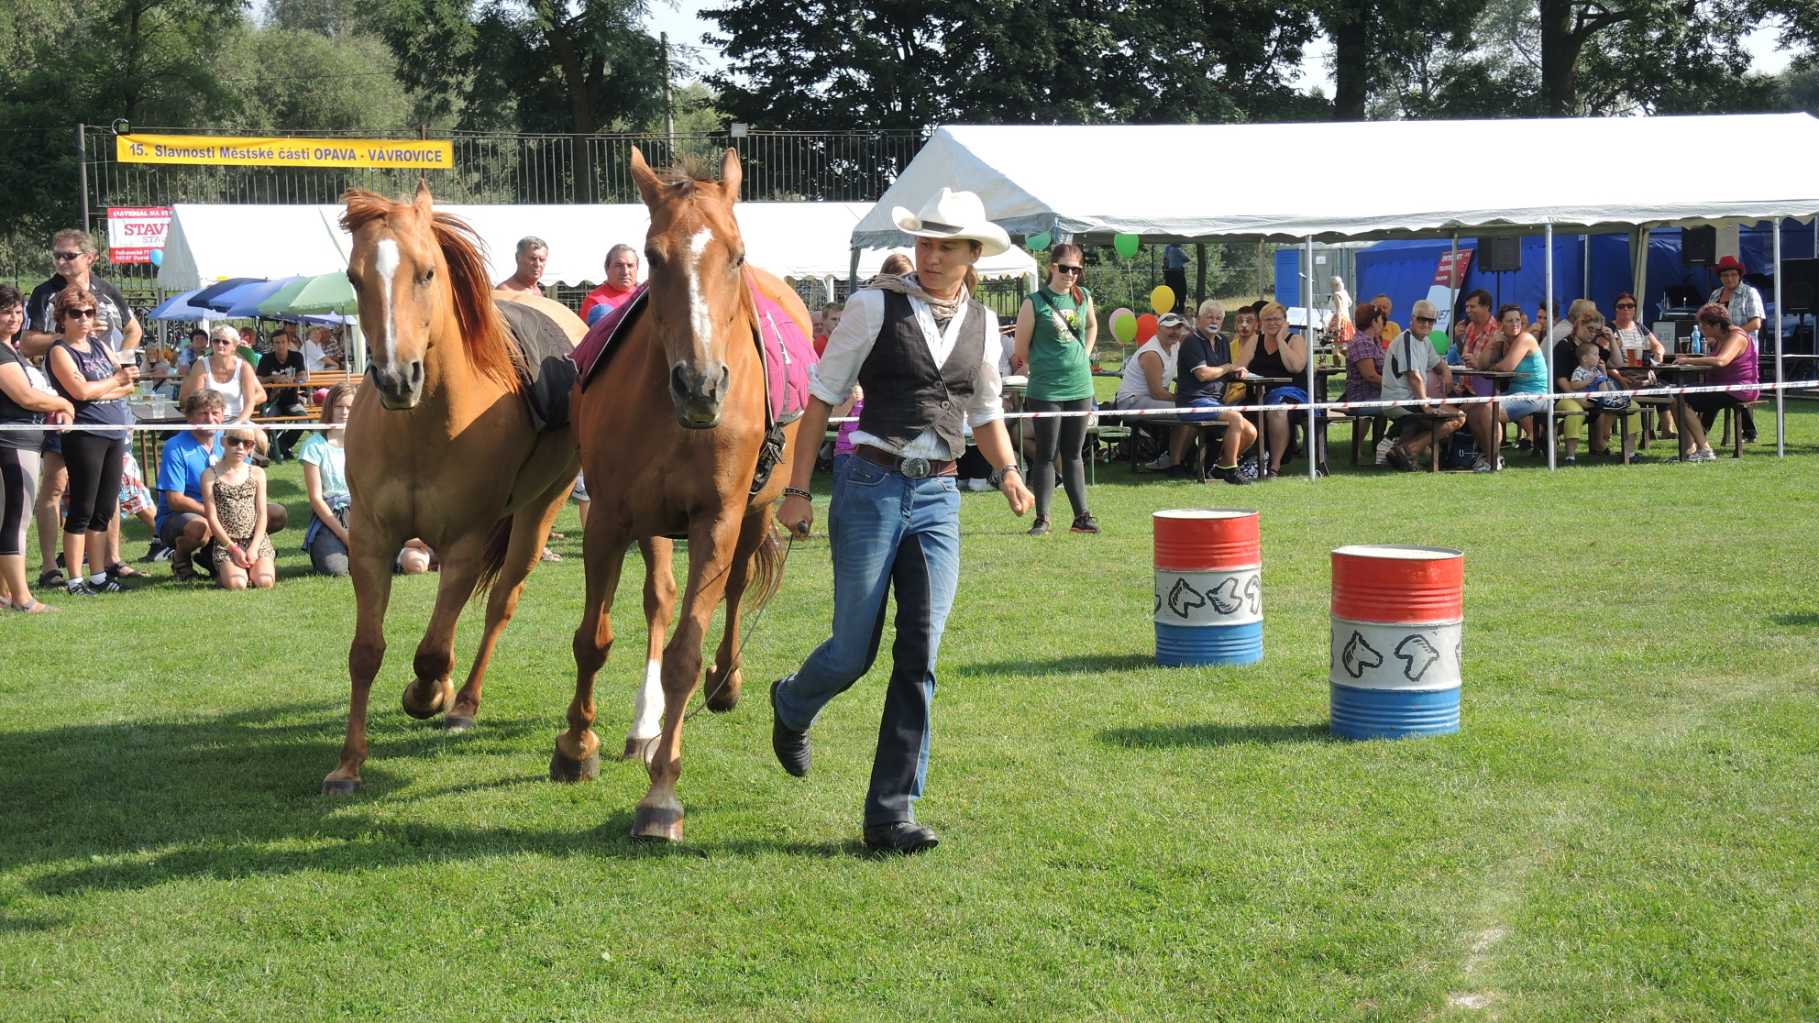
[
  {"x": 1398, "y": 641},
  {"x": 1209, "y": 587}
]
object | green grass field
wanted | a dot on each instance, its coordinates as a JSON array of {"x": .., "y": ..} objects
[{"x": 1625, "y": 828}]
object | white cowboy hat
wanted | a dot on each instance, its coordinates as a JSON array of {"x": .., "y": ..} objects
[{"x": 952, "y": 214}]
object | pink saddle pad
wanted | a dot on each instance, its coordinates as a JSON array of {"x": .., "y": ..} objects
[{"x": 788, "y": 353}]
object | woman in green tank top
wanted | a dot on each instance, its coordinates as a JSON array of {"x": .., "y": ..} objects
[{"x": 1056, "y": 328}]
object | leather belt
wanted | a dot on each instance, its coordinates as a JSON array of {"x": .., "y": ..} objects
[{"x": 910, "y": 468}]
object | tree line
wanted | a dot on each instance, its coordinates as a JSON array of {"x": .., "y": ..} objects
[{"x": 587, "y": 66}]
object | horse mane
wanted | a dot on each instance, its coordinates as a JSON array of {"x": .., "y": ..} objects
[{"x": 483, "y": 330}]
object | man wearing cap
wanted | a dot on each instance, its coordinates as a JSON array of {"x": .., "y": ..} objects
[
  {"x": 926, "y": 352},
  {"x": 1747, "y": 311}
]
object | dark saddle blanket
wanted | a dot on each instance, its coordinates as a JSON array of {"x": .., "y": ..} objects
[
  {"x": 546, "y": 372},
  {"x": 787, "y": 351}
]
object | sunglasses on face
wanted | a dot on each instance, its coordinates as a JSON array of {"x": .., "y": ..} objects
[
  {"x": 238, "y": 442},
  {"x": 66, "y": 256},
  {"x": 1424, "y": 319},
  {"x": 1626, "y": 305},
  {"x": 1075, "y": 270},
  {"x": 76, "y": 313}
]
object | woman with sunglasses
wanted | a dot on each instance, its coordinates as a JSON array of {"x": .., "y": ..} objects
[
  {"x": 1640, "y": 348},
  {"x": 227, "y": 374},
  {"x": 21, "y": 404},
  {"x": 1278, "y": 352},
  {"x": 1053, "y": 343},
  {"x": 84, "y": 372},
  {"x": 233, "y": 496}
]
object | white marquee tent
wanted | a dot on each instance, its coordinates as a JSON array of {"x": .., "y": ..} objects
[
  {"x": 207, "y": 243},
  {"x": 1296, "y": 182}
]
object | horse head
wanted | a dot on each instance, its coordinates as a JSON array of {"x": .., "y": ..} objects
[
  {"x": 697, "y": 262},
  {"x": 399, "y": 280}
]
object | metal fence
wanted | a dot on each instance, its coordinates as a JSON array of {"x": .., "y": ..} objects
[{"x": 854, "y": 166}]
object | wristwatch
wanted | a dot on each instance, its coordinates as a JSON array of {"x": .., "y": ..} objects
[{"x": 996, "y": 479}]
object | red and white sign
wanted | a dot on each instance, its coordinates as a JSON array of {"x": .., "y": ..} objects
[{"x": 134, "y": 231}]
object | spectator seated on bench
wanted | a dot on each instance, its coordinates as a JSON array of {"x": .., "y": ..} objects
[
  {"x": 1144, "y": 385},
  {"x": 1733, "y": 361},
  {"x": 1417, "y": 429},
  {"x": 1202, "y": 366}
]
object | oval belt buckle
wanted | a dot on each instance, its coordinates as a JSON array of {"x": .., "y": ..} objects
[{"x": 913, "y": 468}]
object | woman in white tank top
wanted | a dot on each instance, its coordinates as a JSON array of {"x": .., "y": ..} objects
[{"x": 227, "y": 374}]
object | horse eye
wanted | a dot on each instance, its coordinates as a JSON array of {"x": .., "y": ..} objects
[{"x": 427, "y": 276}]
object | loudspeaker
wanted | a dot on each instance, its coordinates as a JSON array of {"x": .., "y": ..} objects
[
  {"x": 1500, "y": 255},
  {"x": 1799, "y": 285},
  {"x": 1698, "y": 246}
]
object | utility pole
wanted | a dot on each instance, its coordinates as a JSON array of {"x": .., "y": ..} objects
[{"x": 669, "y": 101}]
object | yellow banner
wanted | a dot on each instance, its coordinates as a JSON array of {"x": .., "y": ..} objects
[{"x": 239, "y": 151}]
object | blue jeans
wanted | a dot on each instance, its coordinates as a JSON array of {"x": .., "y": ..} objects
[{"x": 887, "y": 532}]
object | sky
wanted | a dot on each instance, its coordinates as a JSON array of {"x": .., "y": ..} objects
[{"x": 681, "y": 20}]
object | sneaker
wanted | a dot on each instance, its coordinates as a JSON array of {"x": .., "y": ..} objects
[
  {"x": 1482, "y": 465},
  {"x": 1399, "y": 459},
  {"x": 1177, "y": 471},
  {"x": 1084, "y": 524},
  {"x": 1039, "y": 527},
  {"x": 1524, "y": 444},
  {"x": 1704, "y": 455},
  {"x": 1230, "y": 474},
  {"x": 1569, "y": 460},
  {"x": 1749, "y": 436},
  {"x": 1383, "y": 450},
  {"x": 1161, "y": 463},
  {"x": 80, "y": 588},
  {"x": 156, "y": 552}
]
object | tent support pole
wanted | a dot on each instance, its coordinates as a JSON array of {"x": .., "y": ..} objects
[
  {"x": 1639, "y": 258},
  {"x": 852, "y": 273},
  {"x": 1313, "y": 437},
  {"x": 1453, "y": 279},
  {"x": 1780, "y": 393},
  {"x": 1200, "y": 294},
  {"x": 1547, "y": 349},
  {"x": 1585, "y": 264}
]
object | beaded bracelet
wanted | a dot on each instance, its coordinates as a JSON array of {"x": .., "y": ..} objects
[{"x": 798, "y": 492}]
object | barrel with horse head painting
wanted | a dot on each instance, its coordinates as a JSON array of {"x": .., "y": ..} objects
[
  {"x": 1397, "y": 641},
  {"x": 1209, "y": 587}
]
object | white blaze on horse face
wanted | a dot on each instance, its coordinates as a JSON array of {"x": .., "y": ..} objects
[
  {"x": 386, "y": 262},
  {"x": 700, "y": 321}
]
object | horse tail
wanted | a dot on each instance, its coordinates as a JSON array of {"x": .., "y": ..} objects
[
  {"x": 492, "y": 561},
  {"x": 764, "y": 570}
]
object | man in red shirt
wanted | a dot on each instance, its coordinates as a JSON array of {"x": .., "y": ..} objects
[{"x": 621, "y": 281}]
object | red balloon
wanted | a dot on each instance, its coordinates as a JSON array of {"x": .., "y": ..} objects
[{"x": 1146, "y": 327}]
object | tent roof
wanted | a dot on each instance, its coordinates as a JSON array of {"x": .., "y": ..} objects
[
  {"x": 210, "y": 242},
  {"x": 1290, "y": 181}
]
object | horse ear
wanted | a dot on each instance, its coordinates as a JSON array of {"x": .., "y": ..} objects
[
  {"x": 646, "y": 179},
  {"x": 730, "y": 175},
  {"x": 423, "y": 203}
]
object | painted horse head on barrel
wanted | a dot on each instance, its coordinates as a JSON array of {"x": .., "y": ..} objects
[
  {"x": 697, "y": 264},
  {"x": 405, "y": 267}
]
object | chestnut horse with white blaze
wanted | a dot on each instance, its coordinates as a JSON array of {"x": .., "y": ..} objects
[
  {"x": 676, "y": 419},
  {"x": 441, "y": 445}
]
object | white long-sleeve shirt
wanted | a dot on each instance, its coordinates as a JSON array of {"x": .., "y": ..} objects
[{"x": 832, "y": 378}]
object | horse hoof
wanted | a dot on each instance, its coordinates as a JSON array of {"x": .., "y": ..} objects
[
  {"x": 333, "y": 786},
  {"x": 641, "y": 749},
  {"x": 458, "y": 722},
  {"x": 566, "y": 769},
  {"x": 657, "y": 823},
  {"x": 725, "y": 696},
  {"x": 425, "y": 711}
]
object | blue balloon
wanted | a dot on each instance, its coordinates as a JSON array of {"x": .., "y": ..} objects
[
  {"x": 596, "y": 314},
  {"x": 157, "y": 257}
]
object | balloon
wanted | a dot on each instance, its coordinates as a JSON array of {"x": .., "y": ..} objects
[
  {"x": 1126, "y": 244},
  {"x": 1163, "y": 299},
  {"x": 157, "y": 257},
  {"x": 1038, "y": 242},
  {"x": 596, "y": 314},
  {"x": 1146, "y": 327},
  {"x": 1124, "y": 325}
]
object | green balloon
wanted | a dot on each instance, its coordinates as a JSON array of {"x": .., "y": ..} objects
[
  {"x": 1126, "y": 244},
  {"x": 1038, "y": 242},
  {"x": 1124, "y": 325}
]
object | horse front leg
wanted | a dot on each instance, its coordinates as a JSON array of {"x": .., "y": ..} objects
[
  {"x": 711, "y": 545},
  {"x": 724, "y": 679},
  {"x": 577, "y": 755},
  {"x": 370, "y": 566},
  {"x": 530, "y": 528},
  {"x": 433, "y": 691},
  {"x": 659, "y": 609}
]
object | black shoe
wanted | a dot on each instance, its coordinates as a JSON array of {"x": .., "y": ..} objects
[
  {"x": 1400, "y": 459},
  {"x": 156, "y": 552},
  {"x": 790, "y": 745},
  {"x": 81, "y": 588},
  {"x": 1085, "y": 524},
  {"x": 1231, "y": 475},
  {"x": 1749, "y": 436},
  {"x": 1039, "y": 527},
  {"x": 903, "y": 837},
  {"x": 1177, "y": 470},
  {"x": 51, "y": 577}
]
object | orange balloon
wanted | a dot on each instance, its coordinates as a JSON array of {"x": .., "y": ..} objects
[{"x": 1146, "y": 327}]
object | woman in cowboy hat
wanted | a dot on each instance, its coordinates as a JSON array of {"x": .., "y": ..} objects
[
  {"x": 927, "y": 355},
  {"x": 1747, "y": 311}
]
